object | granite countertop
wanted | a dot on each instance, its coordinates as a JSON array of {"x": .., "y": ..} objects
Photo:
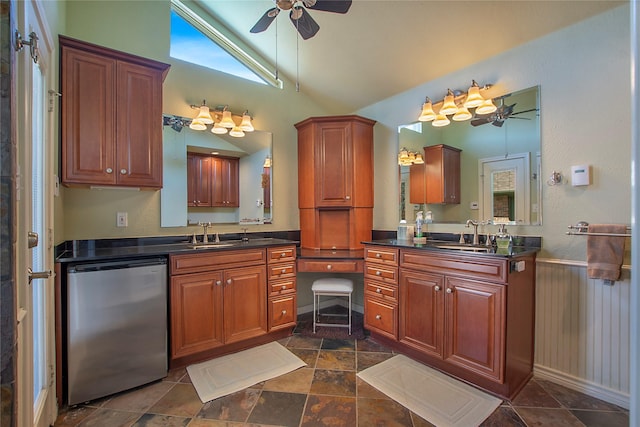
[
  {"x": 98, "y": 250},
  {"x": 447, "y": 246}
]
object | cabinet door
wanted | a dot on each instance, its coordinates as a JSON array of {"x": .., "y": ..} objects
[
  {"x": 139, "y": 134},
  {"x": 333, "y": 164},
  {"x": 422, "y": 311},
  {"x": 196, "y": 313},
  {"x": 475, "y": 326},
  {"x": 225, "y": 182},
  {"x": 88, "y": 118},
  {"x": 442, "y": 174},
  {"x": 198, "y": 180},
  {"x": 245, "y": 303}
]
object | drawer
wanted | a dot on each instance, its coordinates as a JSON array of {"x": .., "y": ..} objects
[
  {"x": 381, "y": 290},
  {"x": 281, "y": 254},
  {"x": 381, "y": 316},
  {"x": 471, "y": 266},
  {"x": 215, "y": 260},
  {"x": 283, "y": 286},
  {"x": 277, "y": 271},
  {"x": 282, "y": 312},
  {"x": 381, "y": 272},
  {"x": 381, "y": 255},
  {"x": 331, "y": 265}
]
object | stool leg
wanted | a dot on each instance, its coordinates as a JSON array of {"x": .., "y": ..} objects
[
  {"x": 349, "y": 313},
  {"x": 314, "y": 312}
]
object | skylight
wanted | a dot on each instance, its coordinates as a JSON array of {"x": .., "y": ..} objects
[{"x": 196, "y": 41}]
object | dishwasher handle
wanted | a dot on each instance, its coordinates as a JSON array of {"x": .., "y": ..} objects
[{"x": 117, "y": 264}]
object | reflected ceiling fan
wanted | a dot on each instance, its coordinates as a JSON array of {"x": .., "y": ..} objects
[
  {"x": 498, "y": 117},
  {"x": 299, "y": 16}
]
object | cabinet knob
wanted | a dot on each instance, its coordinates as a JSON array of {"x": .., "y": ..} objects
[
  {"x": 437, "y": 288},
  {"x": 229, "y": 281},
  {"x": 109, "y": 170},
  {"x": 449, "y": 290},
  {"x": 284, "y": 312},
  {"x": 378, "y": 290},
  {"x": 378, "y": 317},
  {"x": 218, "y": 282},
  {"x": 378, "y": 255},
  {"x": 329, "y": 266},
  {"x": 347, "y": 197},
  {"x": 282, "y": 255},
  {"x": 284, "y": 287},
  {"x": 284, "y": 270},
  {"x": 123, "y": 171},
  {"x": 378, "y": 273}
]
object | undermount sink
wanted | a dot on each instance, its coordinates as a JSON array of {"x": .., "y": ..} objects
[{"x": 461, "y": 247}]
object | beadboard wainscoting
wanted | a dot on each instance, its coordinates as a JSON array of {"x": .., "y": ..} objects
[{"x": 582, "y": 337}]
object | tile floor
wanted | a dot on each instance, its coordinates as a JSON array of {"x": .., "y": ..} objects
[{"x": 326, "y": 393}]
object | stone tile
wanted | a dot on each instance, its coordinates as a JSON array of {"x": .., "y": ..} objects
[
  {"x": 140, "y": 399},
  {"x": 335, "y": 383},
  {"x": 307, "y": 356},
  {"x": 602, "y": 418},
  {"x": 73, "y": 416},
  {"x": 201, "y": 422},
  {"x": 543, "y": 417},
  {"x": 418, "y": 421},
  {"x": 299, "y": 341},
  {"x": 109, "y": 417},
  {"x": 154, "y": 420},
  {"x": 233, "y": 407},
  {"x": 336, "y": 360},
  {"x": 371, "y": 346},
  {"x": 175, "y": 375},
  {"x": 382, "y": 412},
  {"x": 298, "y": 381},
  {"x": 338, "y": 344},
  {"x": 364, "y": 389},
  {"x": 574, "y": 399},
  {"x": 182, "y": 400},
  {"x": 503, "y": 416},
  {"x": 331, "y": 411},
  {"x": 282, "y": 409},
  {"x": 534, "y": 395},
  {"x": 366, "y": 360}
]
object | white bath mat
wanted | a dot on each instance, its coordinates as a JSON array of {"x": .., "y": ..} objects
[
  {"x": 234, "y": 372},
  {"x": 434, "y": 396}
]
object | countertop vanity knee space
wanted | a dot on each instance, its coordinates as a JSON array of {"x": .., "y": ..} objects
[{"x": 468, "y": 314}]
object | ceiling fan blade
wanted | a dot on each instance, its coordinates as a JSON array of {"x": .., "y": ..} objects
[
  {"x": 483, "y": 121},
  {"x": 336, "y": 6},
  {"x": 265, "y": 20},
  {"x": 498, "y": 123},
  {"x": 303, "y": 22},
  {"x": 524, "y": 111}
]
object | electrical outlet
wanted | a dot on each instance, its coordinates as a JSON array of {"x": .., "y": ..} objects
[{"x": 121, "y": 219}]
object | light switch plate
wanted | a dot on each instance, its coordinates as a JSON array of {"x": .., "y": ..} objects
[{"x": 122, "y": 219}]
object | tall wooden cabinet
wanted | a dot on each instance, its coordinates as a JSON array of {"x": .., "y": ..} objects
[
  {"x": 198, "y": 180},
  {"x": 212, "y": 181},
  {"x": 335, "y": 181},
  {"x": 437, "y": 181},
  {"x": 111, "y": 117}
]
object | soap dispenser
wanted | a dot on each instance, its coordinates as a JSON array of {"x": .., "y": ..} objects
[
  {"x": 503, "y": 239},
  {"x": 420, "y": 229}
]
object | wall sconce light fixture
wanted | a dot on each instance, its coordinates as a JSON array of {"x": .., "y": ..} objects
[
  {"x": 222, "y": 120},
  {"x": 457, "y": 104},
  {"x": 408, "y": 158}
]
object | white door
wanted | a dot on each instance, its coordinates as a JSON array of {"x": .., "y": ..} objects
[
  {"x": 36, "y": 400},
  {"x": 516, "y": 166}
]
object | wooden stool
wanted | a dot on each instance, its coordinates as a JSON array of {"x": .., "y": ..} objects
[{"x": 335, "y": 287}]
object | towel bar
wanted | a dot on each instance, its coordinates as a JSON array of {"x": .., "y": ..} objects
[{"x": 582, "y": 228}]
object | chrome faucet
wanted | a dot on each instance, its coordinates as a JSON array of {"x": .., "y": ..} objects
[
  {"x": 475, "y": 230},
  {"x": 205, "y": 234}
]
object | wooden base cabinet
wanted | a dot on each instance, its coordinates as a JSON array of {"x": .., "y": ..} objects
[
  {"x": 469, "y": 315},
  {"x": 282, "y": 287},
  {"x": 381, "y": 291}
]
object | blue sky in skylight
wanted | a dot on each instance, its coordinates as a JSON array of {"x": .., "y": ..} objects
[{"x": 190, "y": 45}]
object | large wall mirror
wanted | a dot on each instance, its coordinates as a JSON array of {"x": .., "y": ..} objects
[
  {"x": 254, "y": 155},
  {"x": 499, "y": 163}
]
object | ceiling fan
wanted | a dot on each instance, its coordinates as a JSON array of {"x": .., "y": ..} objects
[
  {"x": 498, "y": 117},
  {"x": 299, "y": 16}
]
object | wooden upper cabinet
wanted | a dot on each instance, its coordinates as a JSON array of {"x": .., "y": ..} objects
[
  {"x": 335, "y": 162},
  {"x": 111, "y": 117},
  {"x": 442, "y": 174},
  {"x": 198, "y": 180},
  {"x": 225, "y": 182}
]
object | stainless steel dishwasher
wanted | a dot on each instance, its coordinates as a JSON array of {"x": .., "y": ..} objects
[{"x": 116, "y": 326}]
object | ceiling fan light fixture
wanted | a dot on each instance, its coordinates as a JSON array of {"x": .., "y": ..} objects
[
  {"x": 462, "y": 114},
  {"x": 427, "y": 114},
  {"x": 474, "y": 99},
  {"x": 449, "y": 105},
  {"x": 487, "y": 107},
  {"x": 440, "y": 121}
]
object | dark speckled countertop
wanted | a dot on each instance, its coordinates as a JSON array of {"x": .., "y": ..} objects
[{"x": 454, "y": 247}]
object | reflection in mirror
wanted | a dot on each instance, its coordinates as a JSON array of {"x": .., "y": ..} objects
[
  {"x": 253, "y": 152},
  {"x": 491, "y": 146}
]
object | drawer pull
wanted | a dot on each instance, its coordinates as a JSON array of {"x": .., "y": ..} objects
[
  {"x": 378, "y": 273},
  {"x": 284, "y": 287},
  {"x": 437, "y": 288},
  {"x": 378, "y": 317},
  {"x": 378, "y": 290},
  {"x": 284, "y": 270},
  {"x": 229, "y": 281},
  {"x": 449, "y": 290},
  {"x": 378, "y": 255},
  {"x": 329, "y": 266},
  {"x": 284, "y": 312}
]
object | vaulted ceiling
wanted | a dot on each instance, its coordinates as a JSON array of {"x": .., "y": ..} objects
[{"x": 380, "y": 48}]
